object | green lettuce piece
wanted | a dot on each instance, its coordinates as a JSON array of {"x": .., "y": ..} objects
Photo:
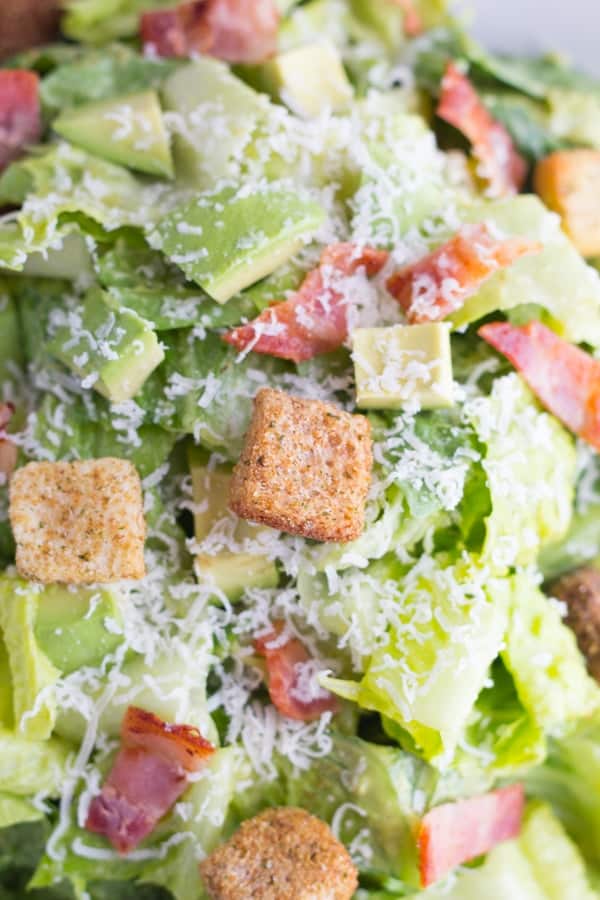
[
  {"x": 99, "y": 21},
  {"x": 101, "y": 74},
  {"x": 11, "y": 351},
  {"x": 161, "y": 685},
  {"x": 141, "y": 279},
  {"x": 201, "y": 389},
  {"x": 6, "y": 700},
  {"x": 32, "y": 674},
  {"x": 501, "y": 738},
  {"x": 65, "y": 184},
  {"x": 450, "y": 621},
  {"x": 575, "y": 115},
  {"x": 527, "y": 122},
  {"x": 569, "y": 780},
  {"x": 170, "y": 854},
  {"x": 542, "y": 656},
  {"x": 530, "y": 464},
  {"x": 542, "y": 864},
  {"x": 556, "y": 279},
  {"x": 28, "y": 767},
  {"x": 72, "y": 260},
  {"x": 14, "y": 810}
]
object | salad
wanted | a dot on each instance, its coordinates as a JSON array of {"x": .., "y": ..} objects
[{"x": 299, "y": 473}]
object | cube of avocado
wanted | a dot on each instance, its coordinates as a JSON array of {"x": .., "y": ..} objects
[
  {"x": 403, "y": 366},
  {"x": 231, "y": 572},
  {"x": 128, "y": 130},
  {"x": 308, "y": 79},
  {"x": 214, "y": 116},
  {"x": 77, "y": 627},
  {"x": 229, "y": 239},
  {"x": 111, "y": 348}
]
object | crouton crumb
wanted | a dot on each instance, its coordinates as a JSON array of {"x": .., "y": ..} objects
[
  {"x": 305, "y": 468},
  {"x": 580, "y": 590},
  {"x": 281, "y": 854},
  {"x": 568, "y": 181},
  {"x": 78, "y": 522}
]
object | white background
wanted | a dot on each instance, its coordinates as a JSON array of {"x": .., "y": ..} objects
[{"x": 530, "y": 26}]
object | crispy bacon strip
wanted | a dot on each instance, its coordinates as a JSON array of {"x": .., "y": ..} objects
[
  {"x": 314, "y": 319},
  {"x": 454, "y": 833},
  {"x": 413, "y": 23},
  {"x": 238, "y": 31},
  {"x": 149, "y": 774},
  {"x": 438, "y": 285},
  {"x": 20, "y": 114},
  {"x": 564, "y": 378},
  {"x": 8, "y": 450},
  {"x": 500, "y": 163},
  {"x": 291, "y": 677}
]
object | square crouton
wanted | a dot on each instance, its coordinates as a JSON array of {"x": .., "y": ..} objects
[
  {"x": 569, "y": 183},
  {"x": 78, "y": 522},
  {"x": 305, "y": 468}
]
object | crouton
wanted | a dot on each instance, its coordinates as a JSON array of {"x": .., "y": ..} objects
[
  {"x": 305, "y": 468},
  {"x": 281, "y": 854},
  {"x": 569, "y": 183},
  {"x": 580, "y": 590},
  {"x": 78, "y": 522}
]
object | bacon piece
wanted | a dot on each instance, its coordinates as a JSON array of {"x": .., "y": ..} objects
[
  {"x": 564, "y": 378},
  {"x": 20, "y": 114},
  {"x": 454, "y": 833},
  {"x": 314, "y": 320},
  {"x": 238, "y": 31},
  {"x": 413, "y": 23},
  {"x": 501, "y": 165},
  {"x": 8, "y": 450},
  {"x": 149, "y": 774},
  {"x": 291, "y": 677},
  {"x": 439, "y": 283}
]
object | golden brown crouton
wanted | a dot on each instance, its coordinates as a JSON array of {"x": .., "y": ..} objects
[
  {"x": 569, "y": 183},
  {"x": 78, "y": 522},
  {"x": 305, "y": 468},
  {"x": 281, "y": 854},
  {"x": 580, "y": 590}
]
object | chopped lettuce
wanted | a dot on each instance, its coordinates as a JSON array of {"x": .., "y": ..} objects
[
  {"x": 530, "y": 464},
  {"x": 99, "y": 21},
  {"x": 32, "y": 674},
  {"x": 446, "y": 627},
  {"x": 14, "y": 810},
  {"x": 570, "y": 780},
  {"x": 29, "y": 767},
  {"x": 556, "y": 279},
  {"x": 98, "y": 75},
  {"x": 541, "y": 654}
]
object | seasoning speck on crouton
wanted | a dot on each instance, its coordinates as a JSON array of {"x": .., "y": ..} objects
[
  {"x": 569, "y": 183},
  {"x": 305, "y": 468},
  {"x": 78, "y": 522},
  {"x": 281, "y": 854},
  {"x": 580, "y": 590}
]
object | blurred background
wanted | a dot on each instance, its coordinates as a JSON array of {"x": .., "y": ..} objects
[
  {"x": 514, "y": 26},
  {"x": 535, "y": 26}
]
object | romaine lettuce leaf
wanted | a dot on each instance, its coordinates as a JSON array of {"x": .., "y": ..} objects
[
  {"x": 99, "y": 21},
  {"x": 447, "y": 626},
  {"x": 30, "y": 767},
  {"x": 556, "y": 279},
  {"x": 530, "y": 463},
  {"x": 32, "y": 674},
  {"x": 98, "y": 75},
  {"x": 542, "y": 656},
  {"x": 570, "y": 780},
  {"x": 14, "y": 810}
]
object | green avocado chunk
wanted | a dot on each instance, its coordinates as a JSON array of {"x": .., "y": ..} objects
[
  {"x": 308, "y": 79},
  {"x": 78, "y": 627},
  {"x": 229, "y": 239},
  {"x": 231, "y": 572},
  {"x": 129, "y": 130},
  {"x": 111, "y": 348}
]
